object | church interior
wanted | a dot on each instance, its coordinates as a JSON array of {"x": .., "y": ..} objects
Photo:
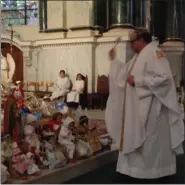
[{"x": 42, "y": 39}]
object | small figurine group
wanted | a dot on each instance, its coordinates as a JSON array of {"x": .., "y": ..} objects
[
  {"x": 58, "y": 142},
  {"x": 49, "y": 145}
]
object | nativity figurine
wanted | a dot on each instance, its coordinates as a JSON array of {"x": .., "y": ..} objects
[
  {"x": 32, "y": 167},
  {"x": 7, "y": 69},
  {"x": 66, "y": 137},
  {"x": 18, "y": 92},
  {"x": 32, "y": 139},
  {"x": 89, "y": 135},
  {"x": 19, "y": 164},
  {"x": 46, "y": 106},
  {"x": 55, "y": 158}
]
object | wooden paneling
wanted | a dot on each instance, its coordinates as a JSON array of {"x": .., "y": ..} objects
[
  {"x": 17, "y": 56},
  {"x": 103, "y": 84}
]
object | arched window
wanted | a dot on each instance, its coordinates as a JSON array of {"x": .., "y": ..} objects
[{"x": 19, "y": 12}]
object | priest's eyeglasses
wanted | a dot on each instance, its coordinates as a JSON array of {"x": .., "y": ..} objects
[{"x": 132, "y": 41}]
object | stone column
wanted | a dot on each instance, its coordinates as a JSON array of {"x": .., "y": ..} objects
[
  {"x": 121, "y": 13},
  {"x": 174, "y": 44},
  {"x": 43, "y": 15},
  {"x": 139, "y": 14},
  {"x": 174, "y": 50},
  {"x": 121, "y": 18},
  {"x": 100, "y": 13},
  {"x": 176, "y": 19},
  {"x": 27, "y": 62},
  {"x": 80, "y": 18}
]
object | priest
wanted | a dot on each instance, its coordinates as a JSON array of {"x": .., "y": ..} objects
[{"x": 142, "y": 114}]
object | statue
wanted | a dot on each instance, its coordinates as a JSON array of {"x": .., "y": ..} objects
[{"x": 7, "y": 69}]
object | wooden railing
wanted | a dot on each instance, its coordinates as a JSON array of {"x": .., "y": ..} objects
[{"x": 37, "y": 86}]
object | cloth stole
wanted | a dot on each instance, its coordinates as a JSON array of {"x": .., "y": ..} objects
[{"x": 124, "y": 106}]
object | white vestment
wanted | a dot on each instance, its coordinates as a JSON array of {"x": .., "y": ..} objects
[
  {"x": 61, "y": 87},
  {"x": 78, "y": 88},
  {"x": 154, "y": 128}
]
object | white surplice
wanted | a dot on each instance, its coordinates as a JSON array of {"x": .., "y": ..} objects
[
  {"x": 78, "y": 88},
  {"x": 154, "y": 128},
  {"x": 61, "y": 87}
]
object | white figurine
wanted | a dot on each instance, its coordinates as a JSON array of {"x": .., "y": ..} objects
[
  {"x": 19, "y": 163},
  {"x": 4, "y": 174},
  {"x": 32, "y": 167},
  {"x": 46, "y": 106},
  {"x": 83, "y": 149},
  {"x": 55, "y": 157},
  {"x": 7, "y": 69},
  {"x": 66, "y": 138},
  {"x": 31, "y": 138}
]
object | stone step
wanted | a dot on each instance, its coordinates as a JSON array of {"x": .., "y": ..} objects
[{"x": 71, "y": 171}]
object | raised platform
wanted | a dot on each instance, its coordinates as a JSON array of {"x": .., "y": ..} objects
[{"x": 71, "y": 171}]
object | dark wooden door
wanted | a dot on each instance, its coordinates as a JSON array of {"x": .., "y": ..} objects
[{"x": 18, "y": 58}]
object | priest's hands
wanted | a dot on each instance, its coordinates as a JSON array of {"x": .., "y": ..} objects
[
  {"x": 112, "y": 54},
  {"x": 130, "y": 80}
]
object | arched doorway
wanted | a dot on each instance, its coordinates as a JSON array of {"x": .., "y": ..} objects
[{"x": 17, "y": 55}]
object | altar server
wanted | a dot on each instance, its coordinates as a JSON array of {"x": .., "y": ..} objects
[
  {"x": 142, "y": 114},
  {"x": 61, "y": 86},
  {"x": 78, "y": 88}
]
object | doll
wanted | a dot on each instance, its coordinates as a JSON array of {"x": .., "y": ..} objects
[
  {"x": 51, "y": 157},
  {"x": 44, "y": 162},
  {"x": 55, "y": 157},
  {"x": 18, "y": 91},
  {"x": 56, "y": 121},
  {"x": 46, "y": 131},
  {"x": 89, "y": 135},
  {"x": 32, "y": 167},
  {"x": 83, "y": 149},
  {"x": 46, "y": 106},
  {"x": 18, "y": 161},
  {"x": 32, "y": 139},
  {"x": 66, "y": 137}
]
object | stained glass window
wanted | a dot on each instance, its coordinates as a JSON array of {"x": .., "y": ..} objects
[{"x": 19, "y": 12}]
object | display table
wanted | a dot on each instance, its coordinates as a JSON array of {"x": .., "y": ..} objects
[{"x": 71, "y": 171}]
